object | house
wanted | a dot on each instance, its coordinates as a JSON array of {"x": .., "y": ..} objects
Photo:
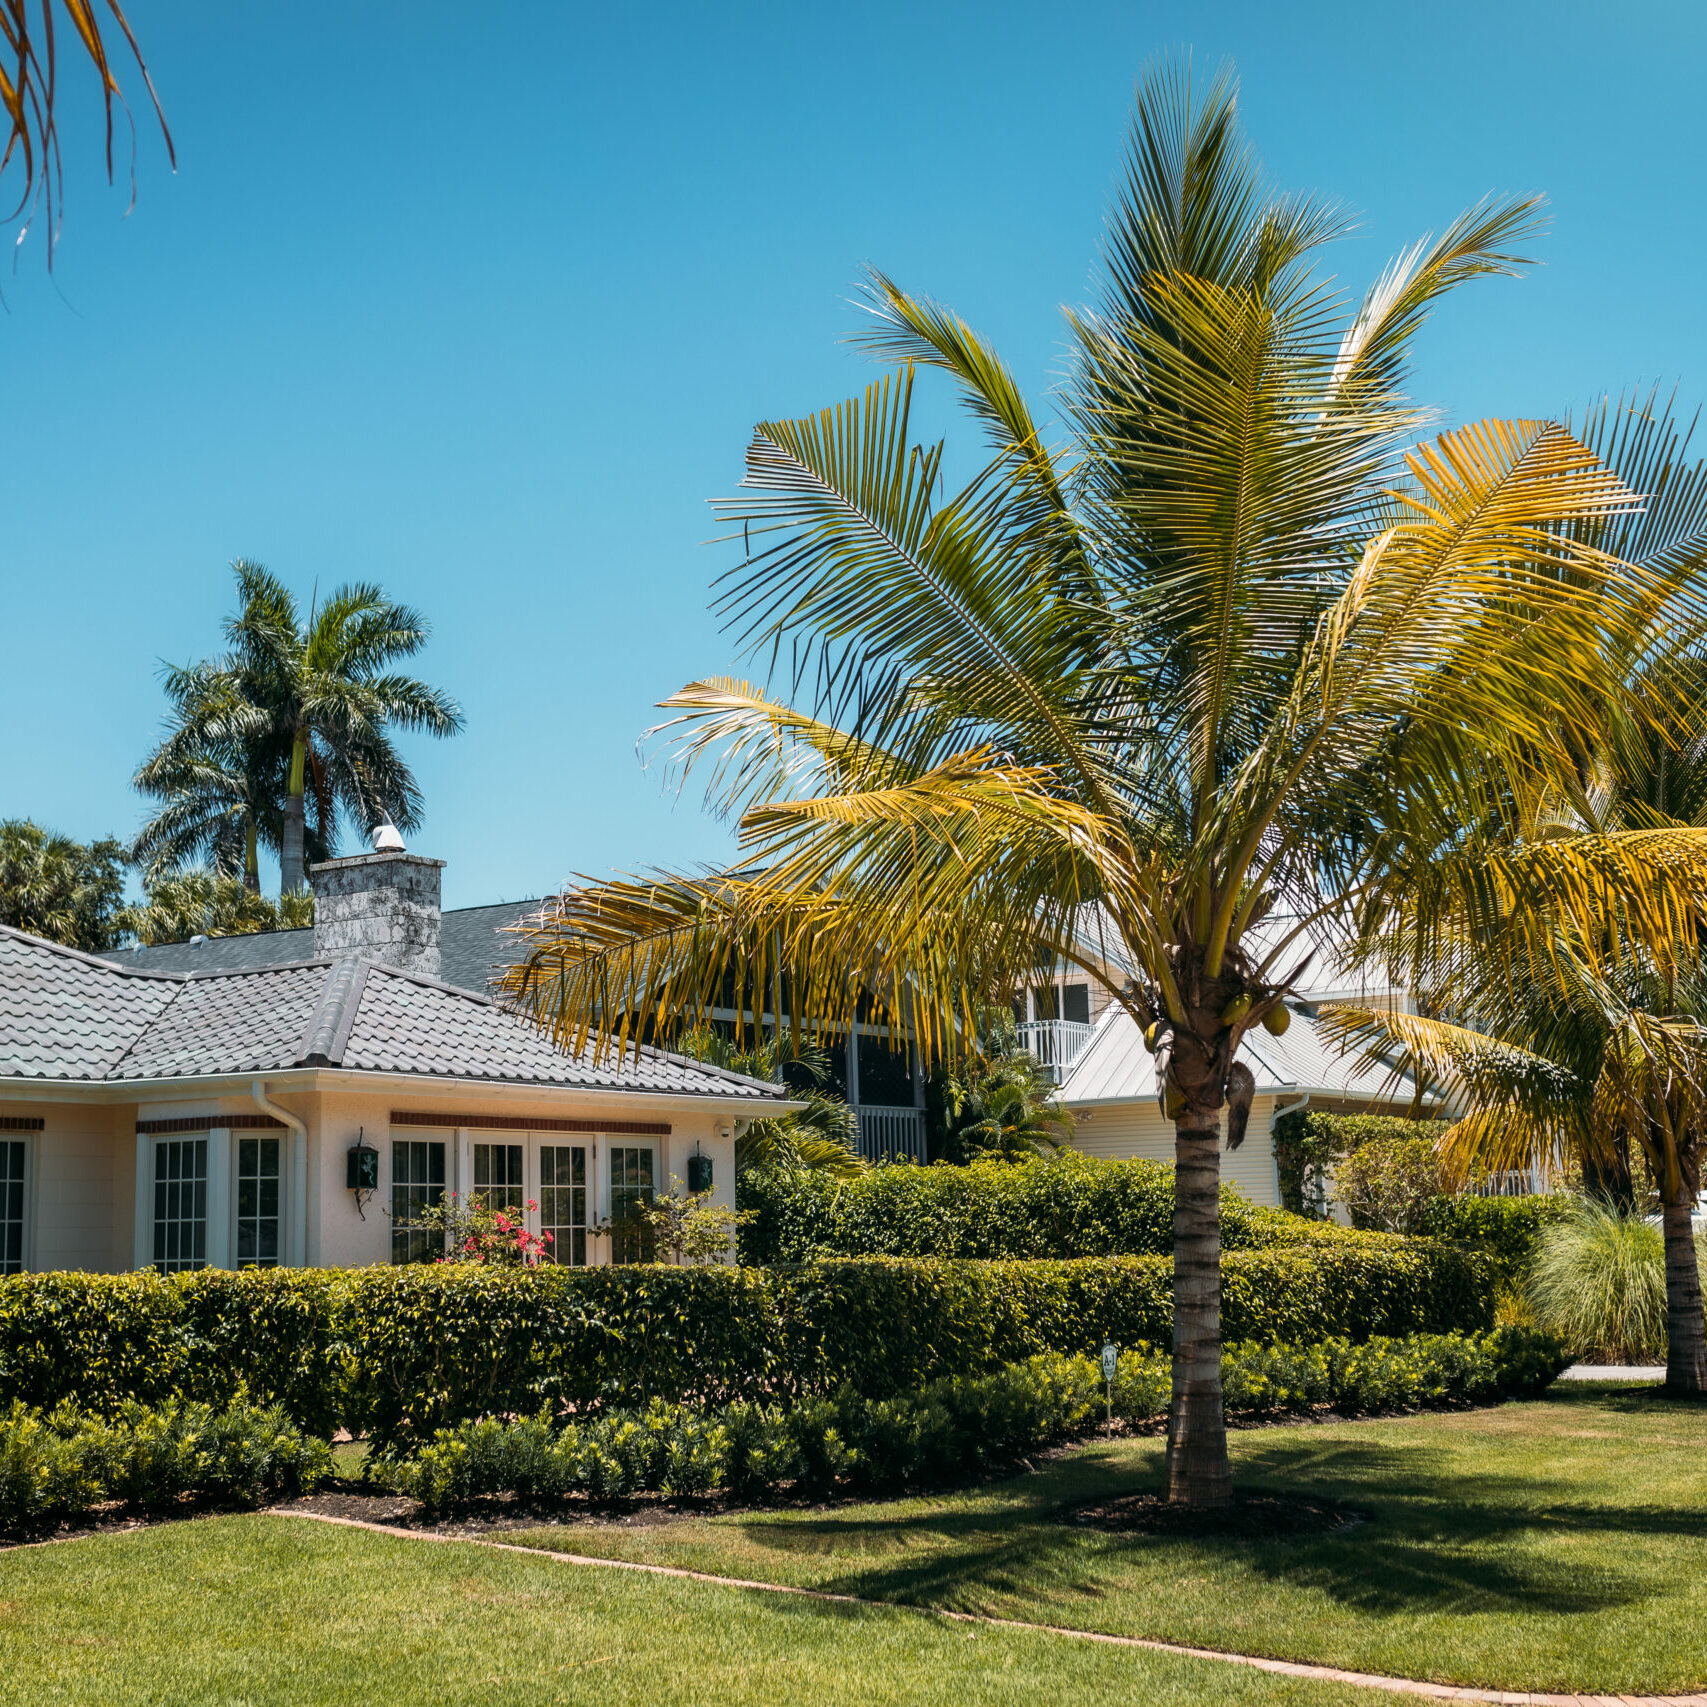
[
  {"x": 1094, "y": 1050},
  {"x": 299, "y": 1099}
]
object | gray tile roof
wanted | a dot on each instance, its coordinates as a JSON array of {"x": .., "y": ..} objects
[
  {"x": 71, "y": 1016},
  {"x": 473, "y": 946}
]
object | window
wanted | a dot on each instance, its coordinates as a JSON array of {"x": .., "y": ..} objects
[
  {"x": 258, "y": 1203},
  {"x": 630, "y": 1187},
  {"x": 11, "y": 1206},
  {"x": 498, "y": 1176},
  {"x": 563, "y": 1201},
  {"x": 1076, "y": 1003},
  {"x": 180, "y": 1204},
  {"x": 417, "y": 1185},
  {"x": 885, "y": 1074}
]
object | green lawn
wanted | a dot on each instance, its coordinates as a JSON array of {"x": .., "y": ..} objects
[
  {"x": 1550, "y": 1546},
  {"x": 271, "y": 1612}
]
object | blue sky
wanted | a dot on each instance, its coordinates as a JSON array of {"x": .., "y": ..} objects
[{"x": 482, "y": 303}]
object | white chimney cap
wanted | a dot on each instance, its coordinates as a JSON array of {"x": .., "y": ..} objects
[{"x": 385, "y": 837}]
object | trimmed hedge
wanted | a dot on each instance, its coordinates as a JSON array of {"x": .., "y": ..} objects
[
  {"x": 1507, "y": 1228},
  {"x": 55, "y": 1465},
  {"x": 399, "y": 1352},
  {"x": 954, "y": 1430},
  {"x": 1307, "y": 1145},
  {"x": 1067, "y": 1206}
]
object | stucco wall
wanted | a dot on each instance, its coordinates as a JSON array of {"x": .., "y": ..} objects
[
  {"x": 1121, "y": 1131},
  {"x": 78, "y": 1185}
]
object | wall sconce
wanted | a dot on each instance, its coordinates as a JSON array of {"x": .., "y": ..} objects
[
  {"x": 361, "y": 1170},
  {"x": 699, "y": 1174}
]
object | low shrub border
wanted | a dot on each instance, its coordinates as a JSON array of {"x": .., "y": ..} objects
[
  {"x": 399, "y": 1352},
  {"x": 954, "y": 1430},
  {"x": 59, "y": 1464}
]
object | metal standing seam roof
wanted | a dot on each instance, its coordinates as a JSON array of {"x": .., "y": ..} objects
[
  {"x": 69, "y": 1016},
  {"x": 1116, "y": 1067}
]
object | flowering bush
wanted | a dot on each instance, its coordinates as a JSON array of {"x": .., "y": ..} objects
[{"x": 474, "y": 1230}]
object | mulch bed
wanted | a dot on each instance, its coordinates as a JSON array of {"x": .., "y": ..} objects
[{"x": 1253, "y": 1516}]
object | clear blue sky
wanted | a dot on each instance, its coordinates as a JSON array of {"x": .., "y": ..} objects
[{"x": 482, "y": 303}]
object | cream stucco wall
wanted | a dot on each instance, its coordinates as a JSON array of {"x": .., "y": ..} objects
[
  {"x": 1127, "y": 1130},
  {"x": 82, "y": 1166}
]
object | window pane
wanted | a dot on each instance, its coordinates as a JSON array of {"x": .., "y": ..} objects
[
  {"x": 417, "y": 1184},
  {"x": 631, "y": 1186},
  {"x": 498, "y": 1175},
  {"x": 180, "y": 1204},
  {"x": 1076, "y": 1003},
  {"x": 11, "y": 1206},
  {"x": 258, "y": 1203},
  {"x": 563, "y": 1201}
]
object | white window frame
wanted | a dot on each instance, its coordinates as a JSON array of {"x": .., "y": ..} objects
[{"x": 27, "y": 1241}]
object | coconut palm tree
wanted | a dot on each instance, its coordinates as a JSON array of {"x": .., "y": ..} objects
[
  {"x": 321, "y": 695},
  {"x": 1156, "y": 669},
  {"x": 1574, "y": 1041},
  {"x": 1001, "y": 1101},
  {"x": 30, "y": 90}
]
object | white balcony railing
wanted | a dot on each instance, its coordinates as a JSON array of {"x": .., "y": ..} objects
[
  {"x": 1057, "y": 1043},
  {"x": 895, "y": 1133}
]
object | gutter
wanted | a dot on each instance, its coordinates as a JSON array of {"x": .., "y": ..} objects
[{"x": 298, "y": 1170}]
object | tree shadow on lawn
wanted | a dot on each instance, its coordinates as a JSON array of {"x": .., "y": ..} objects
[{"x": 1438, "y": 1540}]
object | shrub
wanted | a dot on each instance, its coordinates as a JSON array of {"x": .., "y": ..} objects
[
  {"x": 400, "y": 1352},
  {"x": 1067, "y": 1206},
  {"x": 1598, "y": 1282},
  {"x": 953, "y": 1430},
  {"x": 1388, "y": 1183},
  {"x": 1310, "y": 1144},
  {"x": 1508, "y": 1228},
  {"x": 57, "y": 1464}
]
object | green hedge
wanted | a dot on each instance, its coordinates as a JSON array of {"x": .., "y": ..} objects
[
  {"x": 399, "y": 1352},
  {"x": 953, "y": 1430},
  {"x": 1508, "y": 1228},
  {"x": 1067, "y": 1206},
  {"x": 55, "y": 1465}
]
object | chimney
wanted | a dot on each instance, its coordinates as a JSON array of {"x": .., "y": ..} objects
[{"x": 381, "y": 906}]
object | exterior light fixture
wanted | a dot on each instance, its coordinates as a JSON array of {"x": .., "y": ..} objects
[
  {"x": 361, "y": 1170},
  {"x": 699, "y": 1174}
]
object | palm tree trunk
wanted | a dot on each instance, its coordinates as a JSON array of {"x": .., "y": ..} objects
[
  {"x": 1686, "y": 1335},
  {"x": 251, "y": 858},
  {"x": 292, "y": 877},
  {"x": 1198, "y": 1472}
]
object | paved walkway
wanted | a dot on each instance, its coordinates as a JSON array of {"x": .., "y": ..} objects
[
  {"x": 1655, "y": 1372},
  {"x": 1283, "y": 1668}
]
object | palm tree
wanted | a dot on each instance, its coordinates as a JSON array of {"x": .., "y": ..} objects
[
  {"x": 1157, "y": 670},
  {"x": 817, "y": 1138},
  {"x": 320, "y": 696},
  {"x": 1003, "y": 1103},
  {"x": 54, "y": 887},
  {"x": 30, "y": 91},
  {"x": 219, "y": 774},
  {"x": 195, "y": 901}
]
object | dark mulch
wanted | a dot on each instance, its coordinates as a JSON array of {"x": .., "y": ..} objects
[{"x": 1253, "y": 1516}]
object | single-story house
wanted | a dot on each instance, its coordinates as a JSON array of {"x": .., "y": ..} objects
[{"x": 243, "y": 1101}]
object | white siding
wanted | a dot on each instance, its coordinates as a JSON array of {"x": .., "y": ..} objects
[{"x": 1127, "y": 1130}]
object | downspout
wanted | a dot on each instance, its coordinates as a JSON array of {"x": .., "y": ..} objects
[
  {"x": 298, "y": 1225},
  {"x": 1274, "y": 1120}
]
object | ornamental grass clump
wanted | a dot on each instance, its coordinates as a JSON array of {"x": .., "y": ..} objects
[{"x": 1599, "y": 1283}]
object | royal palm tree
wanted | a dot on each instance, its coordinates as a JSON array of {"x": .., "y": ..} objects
[
  {"x": 1155, "y": 669},
  {"x": 320, "y": 694},
  {"x": 219, "y": 774}
]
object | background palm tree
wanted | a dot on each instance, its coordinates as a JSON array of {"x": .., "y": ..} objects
[
  {"x": 58, "y": 888},
  {"x": 1000, "y": 1101},
  {"x": 1161, "y": 669},
  {"x": 183, "y": 903},
  {"x": 303, "y": 708},
  {"x": 219, "y": 775}
]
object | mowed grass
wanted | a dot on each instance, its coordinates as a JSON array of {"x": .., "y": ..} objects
[
  {"x": 1559, "y": 1545},
  {"x": 271, "y": 1612}
]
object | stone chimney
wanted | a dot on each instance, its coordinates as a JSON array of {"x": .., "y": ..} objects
[{"x": 380, "y": 906}]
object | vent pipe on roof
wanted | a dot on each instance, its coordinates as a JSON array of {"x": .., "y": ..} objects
[{"x": 386, "y": 837}]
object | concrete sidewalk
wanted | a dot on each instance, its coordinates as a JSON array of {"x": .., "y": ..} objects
[{"x": 1655, "y": 1372}]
